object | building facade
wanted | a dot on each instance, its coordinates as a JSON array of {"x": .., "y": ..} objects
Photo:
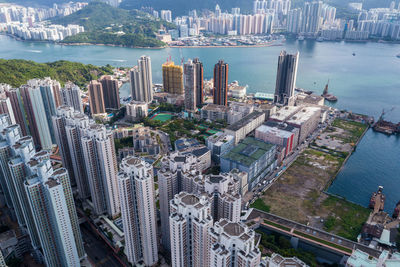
[
  {"x": 71, "y": 96},
  {"x": 110, "y": 92},
  {"x": 172, "y": 78},
  {"x": 232, "y": 244},
  {"x": 96, "y": 98},
  {"x": 253, "y": 156},
  {"x": 190, "y": 74},
  {"x": 286, "y": 78},
  {"x": 101, "y": 168},
  {"x": 220, "y": 91},
  {"x": 190, "y": 220},
  {"x": 142, "y": 80},
  {"x": 138, "y": 209}
]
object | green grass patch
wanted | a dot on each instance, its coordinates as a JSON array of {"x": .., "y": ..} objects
[
  {"x": 163, "y": 117},
  {"x": 346, "y": 218},
  {"x": 322, "y": 241},
  {"x": 354, "y": 129},
  {"x": 260, "y": 205},
  {"x": 277, "y": 225}
]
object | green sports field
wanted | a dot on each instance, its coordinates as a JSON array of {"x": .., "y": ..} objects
[{"x": 162, "y": 117}]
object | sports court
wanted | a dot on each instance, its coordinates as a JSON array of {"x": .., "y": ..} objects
[{"x": 161, "y": 117}]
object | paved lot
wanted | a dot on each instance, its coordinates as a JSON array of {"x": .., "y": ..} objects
[{"x": 98, "y": 252}]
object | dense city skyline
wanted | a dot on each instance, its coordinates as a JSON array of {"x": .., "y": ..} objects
[{"x": 190, "y": 171}]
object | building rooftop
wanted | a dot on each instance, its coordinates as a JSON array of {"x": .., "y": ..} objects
[
  {"x": 279, "y": 260},
  {"x": 182, "y": 144},
  {"x": 233, "y": 229},
  {"x": 190, "y": 199},
  {"x": 284, "y": 113},
  {"x": 310, "y": 99},
  {"x": 248, "y": 151},
  {"x": 51, "y": 182},
  {"x": 304, "y": 114},
  {"x": 219, "y": 138},
  {"x": 245, "y": 120},
  {"x": 200, "y": 152},
  {"x": 281, "y": 125},
  {"x": 274, "y": 131}
]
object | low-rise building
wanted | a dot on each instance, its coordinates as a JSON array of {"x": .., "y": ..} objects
[
  {"x": 361, "y": 259},
  {"x": 247, "y": 124},
  {"x": 284, "y": 113},
  {"x": 285, "y": 127},
  {"x": 136, "y": 110},
  {"x": 237, "y": 91},
  {"x": 268, "y": 109},
  {"x": 232, "y": 114},
  {"x": 274, "y": 135},
  {"x": 203, "y": 155},
  {"x": 185, "y": 143},
  {"x": 306, "y": 99},
  {"x": 306, "y": 119},
  {"x": 241, "y": 107},
  {"x": 253, "y": 156},
  {"x": 219, "y": 144},
  {"x": 215, "y": 112},
  {"x": 143, "y": 138},
  {"x": 277, "y": 260}
]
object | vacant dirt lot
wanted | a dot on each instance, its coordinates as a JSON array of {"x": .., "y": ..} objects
[{"x": 298, "y": 195}]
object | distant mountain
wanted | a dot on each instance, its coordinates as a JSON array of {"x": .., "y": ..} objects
[
  {"x": 182, "y": 7},
  {"x": 108, "y": 25}
]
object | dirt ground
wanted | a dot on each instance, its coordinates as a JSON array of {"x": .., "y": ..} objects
[{"x": 298, "y": 195}]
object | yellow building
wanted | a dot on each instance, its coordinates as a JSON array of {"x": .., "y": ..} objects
[{"x": 172, "y": 78}]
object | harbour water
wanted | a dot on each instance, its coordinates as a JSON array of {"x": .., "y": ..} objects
[{"x": 365, "y": 83}]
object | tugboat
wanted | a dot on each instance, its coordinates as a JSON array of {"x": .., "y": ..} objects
[
  {"x": 396, "y": 213},
  {"x": 328, "y": 97}
]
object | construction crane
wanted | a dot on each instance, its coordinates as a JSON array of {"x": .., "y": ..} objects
[{"x": 383, "y": 113}]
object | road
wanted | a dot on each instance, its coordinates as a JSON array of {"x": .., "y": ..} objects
[{"x": 98, "y": 252}]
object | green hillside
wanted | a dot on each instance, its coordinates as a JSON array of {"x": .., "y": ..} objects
[
  {"x": 17, "y": 71},
  {"x": 108, "y": 25}
]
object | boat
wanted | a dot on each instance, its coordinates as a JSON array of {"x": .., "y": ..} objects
[
  {"x": 377, "y": 196},
  {"x": 354, "y": 54},
  {"x": 398, "y": 55},
  {"x": 301, "y": 90},
  {"x": 328, "y": 97},
  {"x": 320, "y": 39},
  {"x": 300, "y": 38}
]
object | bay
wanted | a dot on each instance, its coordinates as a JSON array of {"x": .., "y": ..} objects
[{"x": 365, "y": 83}]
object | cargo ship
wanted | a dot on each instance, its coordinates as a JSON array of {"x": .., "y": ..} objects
[
  {"x": 377, "y": 201},
  {"x": 328, "y": 97},
  {"x": 396, "y": 213}
]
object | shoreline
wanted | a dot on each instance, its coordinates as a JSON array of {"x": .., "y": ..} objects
[
  {"x": 328, "y": 185},
  {"x": 193, "y": 46}
]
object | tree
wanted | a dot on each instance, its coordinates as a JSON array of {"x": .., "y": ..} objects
[{"x": 110, "y": 235}]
